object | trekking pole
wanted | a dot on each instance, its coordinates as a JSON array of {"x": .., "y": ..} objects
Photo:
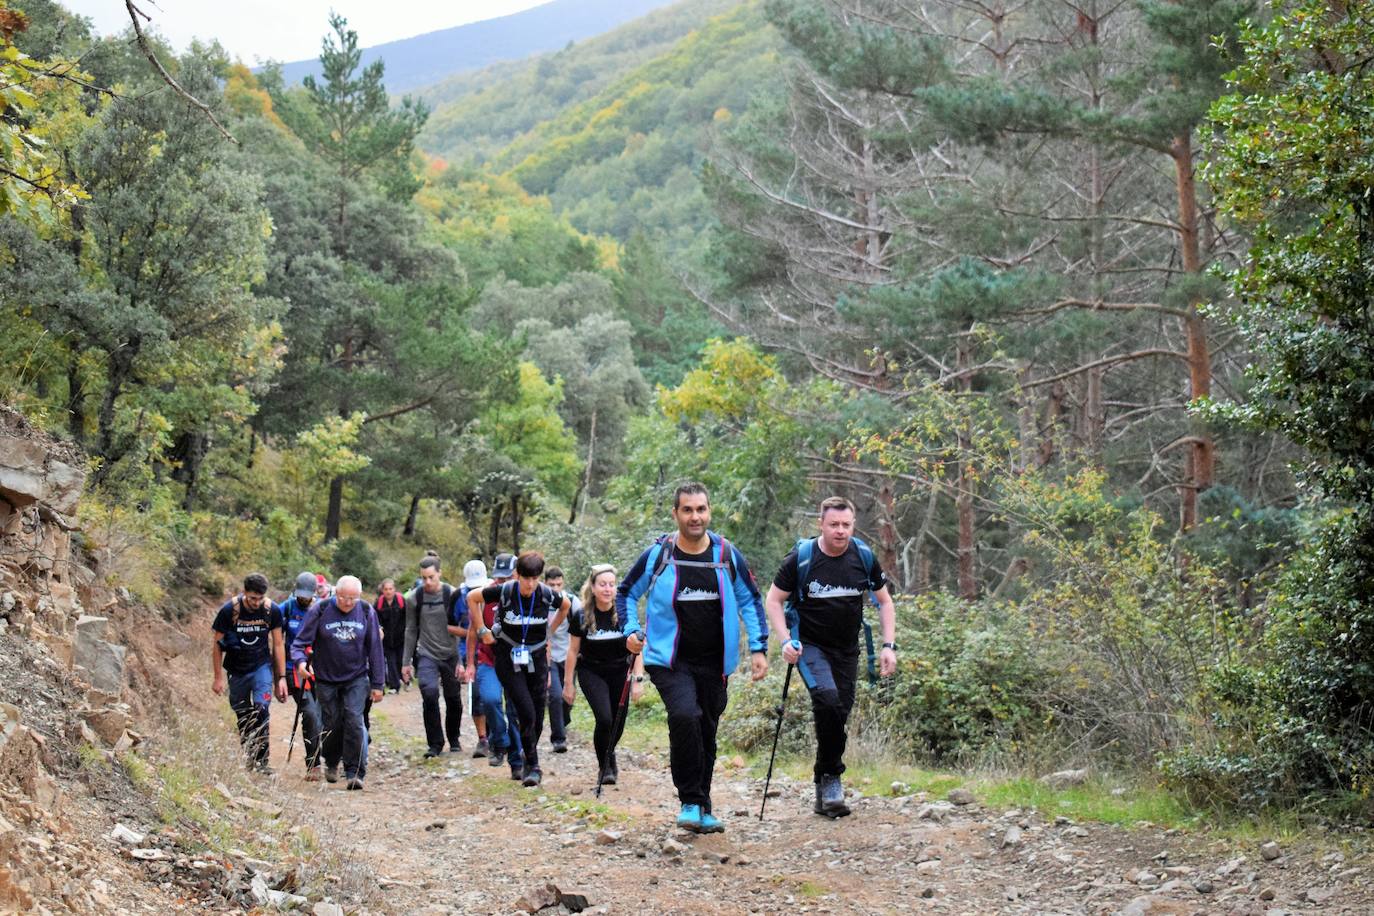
[
  {"x": 617, "y": 723},
  {"x": 291, "y": 745},
  {"x": 782, "y": 708}
]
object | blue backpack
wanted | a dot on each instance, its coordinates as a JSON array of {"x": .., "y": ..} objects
[{"x": 792, "y": 608}]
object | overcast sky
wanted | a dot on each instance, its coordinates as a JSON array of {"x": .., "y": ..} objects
[{"x": 288, "y": 30}]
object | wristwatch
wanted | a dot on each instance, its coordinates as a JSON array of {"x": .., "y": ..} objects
[
  {"x": 638, "y": 678},
  {"x": 890, "y": 645}
]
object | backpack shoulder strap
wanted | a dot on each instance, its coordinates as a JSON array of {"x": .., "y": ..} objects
[
  {"x": 865, "y": 554},
  {"x": 665, "y": 544}
]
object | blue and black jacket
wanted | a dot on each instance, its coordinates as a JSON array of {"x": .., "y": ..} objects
[{"x": 654, "y": 578}]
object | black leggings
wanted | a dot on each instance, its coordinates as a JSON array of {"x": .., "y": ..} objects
[
  {"x": 526, "y": 692},
  {"x": 602, "y": 686}
]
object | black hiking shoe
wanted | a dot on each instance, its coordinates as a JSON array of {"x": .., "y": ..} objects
[
  {"x": 497, "y": 758},
  {"x": 560, "y": 747},
  {"x": 532, "y": 778},
  {"x": 355, "y": 784},
  {"x": 482, "y": 749},
  {"x": 331, "y": 774},
  {"x": 431, "y": 752},
  {"x": 830, "y": 797},
  {"x": 518, "y": 772}
]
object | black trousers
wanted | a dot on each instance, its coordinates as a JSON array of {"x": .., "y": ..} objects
[
  {"x": 526, "y": 692},
  {"x": 695, "y": 697},
  {"x": 601, "y": 686},
  {"x": 830, "y": 675}
]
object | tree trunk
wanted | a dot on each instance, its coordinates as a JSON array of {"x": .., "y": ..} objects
[
  {"x": 1049, "y": 429},
  {"x": 334, "y": 516},
  {"x": 584, "y": 489},
  {"x": 1094, "y": 417},
  {"x": 409, "y": 530},
  {"x": 516, "y": 518},
  {"x": 121, "y": 369},
  {"x": 963, "y": 500},
  {"x": 498, "y": 511},
  {"x": 1200, "y": 460},
  {"x": 887, "y": 528},
  {"x": 76, "y": 403}
]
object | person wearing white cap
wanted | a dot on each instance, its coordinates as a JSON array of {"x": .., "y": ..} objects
[{"x": 474, "y": 576}]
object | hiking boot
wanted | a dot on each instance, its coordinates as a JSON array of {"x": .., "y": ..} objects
[
  {"x": 355, "y": 784},
  {"x": 517, "y": 772},
  {"x": 710, "y": 823},
  {"x": 331, "y": 774},
  {"x": 482, "y": 749},
  {"x": 497, "y": 757},
  {"x": 431, "y": 752},
  {"x": 614, "y": 766},
  {"x": 830, "y": 797},
  {"x": 313, "y": 774},
  {"x": 689, "y": 818},
  {"x": 560, "y": 747},
  {"x": 532, "y": 778},
  {"x": 455, "y": 749},
  {"x": 608, "y": 777},
  {"x": 263, "y": 769}
]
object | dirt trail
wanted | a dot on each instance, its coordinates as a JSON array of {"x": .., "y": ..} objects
[{"x": 420, "y": 825}]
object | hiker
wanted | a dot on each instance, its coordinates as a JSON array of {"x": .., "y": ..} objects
[
  {"x": 474, "y": 576},
  {"x": 391, "y": 614},
  {"x": 824, "y": 582},
  {"x": 528, "y": 611},
  {"x": 340, "y": 645},
  {"x": 691, "y": 640},
  {"x": 293, "y": 611},
  {"x": 599, "y": 662},
  {"x": 323, "y": 589},
  {"x": 503, "y": 733},
  {"x": 438, "y": 666},
  {"x": 560, "y": 712},
  {"x": 248, "y": 648}
]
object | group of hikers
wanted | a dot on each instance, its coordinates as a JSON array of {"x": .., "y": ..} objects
[{"x": 523, "y": 644}]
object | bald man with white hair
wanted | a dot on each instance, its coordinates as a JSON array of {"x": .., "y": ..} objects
[{"x": 340, "y": 642}]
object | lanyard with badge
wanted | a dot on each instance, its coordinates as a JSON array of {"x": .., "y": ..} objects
[{"x": 520, "y": 655}]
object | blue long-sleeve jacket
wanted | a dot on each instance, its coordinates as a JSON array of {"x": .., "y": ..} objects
[
  {"x": 740, "y": 600},
  {"x": 344, "y": 646}
]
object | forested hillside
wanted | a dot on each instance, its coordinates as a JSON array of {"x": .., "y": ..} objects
[
  {"x": 614, "y": 130},
  {"x": 433, "y": 56},
  {"x": 1072, "y": 300}
]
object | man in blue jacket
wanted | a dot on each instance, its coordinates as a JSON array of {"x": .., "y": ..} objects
[
  {"x": 697, "y": 587},
  {"x": 341, "y": 641},
  {"x": 293, "y": 611}
]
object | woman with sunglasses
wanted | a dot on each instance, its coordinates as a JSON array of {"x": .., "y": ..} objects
[{"x": 598, "y": 658}]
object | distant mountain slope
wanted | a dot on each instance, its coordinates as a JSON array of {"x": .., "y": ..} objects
[
  {"x": 478, "y": 112},
  {"x": 412, "y": 63},
  {"x": 613, "y": 130}
]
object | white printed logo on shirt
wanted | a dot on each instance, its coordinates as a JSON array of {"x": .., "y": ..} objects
[
  {"x": 817, "y": 590},
  {"x": 698, "y": 594}
]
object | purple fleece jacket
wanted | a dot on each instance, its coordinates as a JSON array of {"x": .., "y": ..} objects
[{"x": 345, "y": 646}]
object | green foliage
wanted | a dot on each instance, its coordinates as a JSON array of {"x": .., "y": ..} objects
[
  {"x": 353, "y": 557},
  {"x": 34, "y": 187},
  {"x": 1292, "y": 164}
]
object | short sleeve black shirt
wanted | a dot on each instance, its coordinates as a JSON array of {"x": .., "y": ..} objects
[
  {"x": 524, "y": 620},
  {"x": 603, "y": 647},
  {"x": 700, "y": 611},
  {"x": 247, "y": 644},
  {"x": 831, "y": 600}
]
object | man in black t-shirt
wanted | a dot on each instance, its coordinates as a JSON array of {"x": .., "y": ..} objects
[
  {"x": 528, "y": 611},
  {"x": 248, "y": 647},
  {"x": 824, "y": 645}
]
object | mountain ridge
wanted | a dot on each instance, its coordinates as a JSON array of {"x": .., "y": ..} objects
[{"x": 425, "y": 59}]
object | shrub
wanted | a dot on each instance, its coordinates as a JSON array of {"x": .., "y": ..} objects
[{"x": 352, "y": 557}]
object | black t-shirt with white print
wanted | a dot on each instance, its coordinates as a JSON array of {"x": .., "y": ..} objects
[
  {"x": 523, "y": 620},
  {"x": 247, "y": 642},
  {"x": 603, "y": 647},
  {"x": 831, "y": 600},
  {"x": 700, "y": 613}
]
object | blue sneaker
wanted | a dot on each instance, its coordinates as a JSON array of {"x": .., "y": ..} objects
[
  {"x": 689, "y": 818},
  {"x": 710, "y": 823}
]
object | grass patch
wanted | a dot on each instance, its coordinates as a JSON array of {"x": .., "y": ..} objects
[
  {"x": 811, "y": 889},
  {"x": 91, "y": 758},
  {"x": 1094, "y": 801},
  {"x": 140, "y": 772}
]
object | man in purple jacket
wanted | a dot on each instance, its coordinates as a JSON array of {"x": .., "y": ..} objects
[{"x": 341, "y": 641}]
